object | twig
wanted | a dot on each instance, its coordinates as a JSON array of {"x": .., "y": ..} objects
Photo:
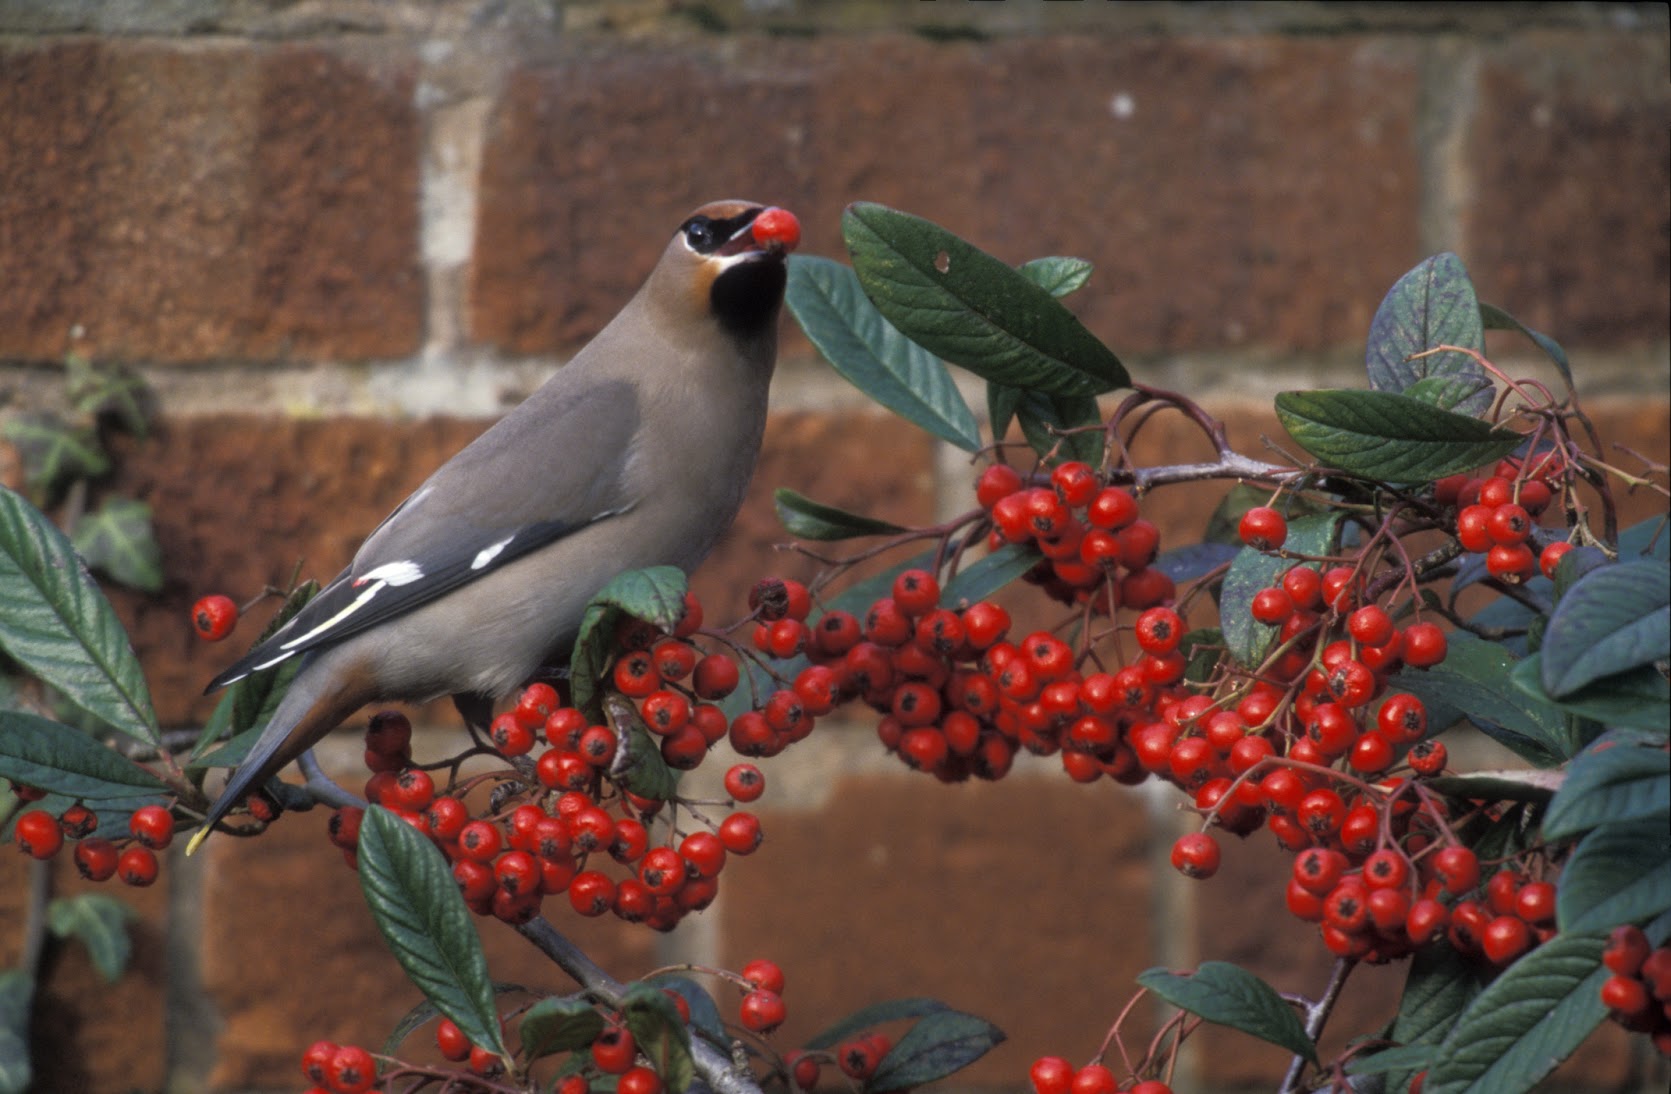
[{"x": 1316, "y": 1015}]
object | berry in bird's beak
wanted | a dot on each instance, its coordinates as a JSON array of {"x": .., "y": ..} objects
[{"x": 777, "y": 229}]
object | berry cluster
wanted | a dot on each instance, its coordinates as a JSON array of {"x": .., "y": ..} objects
[
  {"x": 132, "y": 858},
  {"x": 1055, "y": 1075},
  {"x": 1638, "y": 994},
  {"x": 1497, "y": 515}
]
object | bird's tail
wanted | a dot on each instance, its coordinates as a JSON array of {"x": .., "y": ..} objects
[{"x": 318, "y": 700}]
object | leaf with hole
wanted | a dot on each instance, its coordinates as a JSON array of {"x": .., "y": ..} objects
[{"x": 971, "y": 309}]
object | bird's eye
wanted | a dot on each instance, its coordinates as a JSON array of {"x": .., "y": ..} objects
[{"x": 701, "y": 235}]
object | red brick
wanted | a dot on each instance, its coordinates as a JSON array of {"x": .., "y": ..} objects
[
  {"x": 1216, "y": 211},
  {"x": 1024, "y": 901},
  {"x": 1569, "y": 154},
  {"x": 181, "y": 203}
]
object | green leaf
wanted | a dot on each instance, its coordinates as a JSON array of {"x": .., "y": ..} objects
[
  {"x": 804, "y": 518},
  {"x": 1507, "y": 785},
  {"x": 100, "y": 922},
  {"x": 1061, "y": 427},
  {"x": 57, "y": 758},
  {"x": 559, "y": 1023},
  {"x": 1474, "y": 682},
  {"x": 705, "y": 1017},
  {"x": 1387, "y": 437},
  {"x": 1526, "y": 1022},
  {"x": 1249, "y": 640},
  {"x": 1650, "y": 538},
  {"x": 654, "y": 1021},
  {"x": 642, "y": 770},
  {"x": 56, "y": 623},
  {"x": 877, "y": 1014},
  {"x": 969, "y": 308},
  {"x": 982, "y": 578},
  {"x": 1438, "y": 989},
  {"x": 1057, "y": 275},
  {"x": 1202, "y": 648},
  {"x": 119, "y": 541},
  {"x": 1619, "y": 873},
  {"x": 938, "y": 1045},
  {"x": 1231, "y": 996},
  {"x": 656, "y": 595},
  {"x": 1444, "y": 392},
  {"x": 1432, "y": 305},
  {"x": 1612, "y": 619},
  {"x": 867, "y": 351},
  {"x": 1620, "y": 777},
  {"x": 112, "y": 392},
  {"x": 54, "y": 453},
  {"x": 417, "y": 907},
  {"x": 1495, "y": 318},
  {"x": 17, "y": 991},
  {"x": 1638, "y": 699}
]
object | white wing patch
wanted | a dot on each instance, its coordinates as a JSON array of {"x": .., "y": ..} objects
[
  {"x": 393, "y": 573},
  {"x": 488, "y": 554},
  {"x": 353, "y": 606}
]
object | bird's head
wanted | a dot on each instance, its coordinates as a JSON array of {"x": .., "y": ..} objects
[{"x": 728, "y": 258}]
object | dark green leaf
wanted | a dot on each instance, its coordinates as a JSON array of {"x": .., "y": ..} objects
[
  {"x": 1507, "y": 785},
  {"x": 1002, "y": 401},
  {"x": 1231, "y": 996},
  {"x": 968, "y": 308},
  {"x": 1474, "y": 681},
  {"x": 938, "y": 1045},
  {"x": 1496, "y": 318},
  {"x": 1202, "y": 650},
  {"x": 654, "y": 1021},
  {"x": 642, "y": 769},
  {"x": 59, "y": 626},
  {"x": 17, "y": 991},
  {"x": 1619, "y": 873},
  {"x": 54, "y": 453},
  {"x": 41, "y": 753},
  {"x": 1638, "y": 699},
  {"x": 1061, "y": 427},
  {"x": 877, "y": 1014},
  {"x": 1620, "y": 777},
  {"x": 1410, "y": 1058},
  {"x": 656, "y": 595},
  {"x": 1057, "y": 275},
  {"x": 981, "y": 579},
  {"x": 1250, "y": 571},
  {"x": 118, "y": 541},
  {"x": 1612, "y": 619},
  {"x": 560, "y": 1023},
  {"x": 1438, "y": 989},
  {"x": 1650, "y": 538},
  {"x": 1183, "y": 564},
  {"x": 1526, "y": 1022},
  {"x": 1432, "y": 305},
  {"x": 417, "y": 906},
  {"x": 867, "y": 351},
  {"x": 705, "y": 1017},
  {"x": 100, "y": 923},
  {"x": 804, "y": 518},
  {"x": 112, "y": 392},
  {"x": 1446, "y": 392},
  {"x": 1387, "y": 437}
]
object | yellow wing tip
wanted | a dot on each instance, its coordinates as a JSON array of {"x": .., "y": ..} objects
[{"x": 197, "y": 839}]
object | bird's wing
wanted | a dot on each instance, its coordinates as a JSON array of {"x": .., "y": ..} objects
[{"x": 525, "y": 484}]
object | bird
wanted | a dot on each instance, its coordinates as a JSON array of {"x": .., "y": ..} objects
[{"x": 635, "y": 453}]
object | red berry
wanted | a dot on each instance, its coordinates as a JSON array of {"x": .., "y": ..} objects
[
  {"x": 96, "y": 859},
  {"x": 1271, "y": 606},
  {"x": 745, "y": 782},
  {"x": 1627, "y": 949},
  {"x": 639, "y": 1080},
  {"x": 614, "y": 1050},
  {"x": 1051, "y": 1075},
  {"x": 137, "y": 866},
  {"x": 1196, "y": 855},
  {"x": 38, "y": 834},
  {"x": 351, "y": 1070},
  {"x": 1458, "y": 870},
  {"x": 1094, "y": 1079},
  {"x": 213, "y": 617},
  {"x": 1263, "y": 528},
  {"x": 762, "y": 1011},
  {"x": 1159, "y": 631},
  {"x": 995, "y": 483},
  {"x": 1386, "y": 869},
  {"x": 1428, "y": 757},
  {"x": 1550, "y": 557},
  {"x": 858, "y": 1059},
  {"x": 1370, "y": 625},
  {"x": 1625, "y": 995},
  {"x": 775, "y": 227},
  {"x": 591, "y": 893},
  {"x": 1424, "y": 645},
  {"x": 1509, "y": 524},
  {"x": 1318, "y": 869},
  {"x": 916, "y": 592},
  {"x": 1505, "y": 938},
  {"x": 316, "y": 1061},
  {"x": 451, "y": 1041},
  {"x": 1111, "y": 509},
  {"x": 1427, "y": 919},
  {"x": 715, "y": 676},
  {"x": 740, "y": 832},
  {"x": 153, "y": 826},
  {"x": 1510, "y": 562}
]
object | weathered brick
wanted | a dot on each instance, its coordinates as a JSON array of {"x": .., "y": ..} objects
[
  {"x": 1569, "y": 154},
  {"x": 1200, "y": 175},
  {"x": 1024, "y": 901},
  {"x": 181, "y": 203}
]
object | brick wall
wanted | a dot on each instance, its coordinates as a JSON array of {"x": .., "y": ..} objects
[{"x": 339, "y": 237}]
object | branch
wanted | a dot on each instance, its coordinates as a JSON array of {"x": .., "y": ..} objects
[
  {"x": 718, "y": 1070},
  {"x": 1316, "y": 1014}
]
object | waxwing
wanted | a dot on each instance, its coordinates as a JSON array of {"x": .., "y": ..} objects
[{"x": 636, "y": 453}]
